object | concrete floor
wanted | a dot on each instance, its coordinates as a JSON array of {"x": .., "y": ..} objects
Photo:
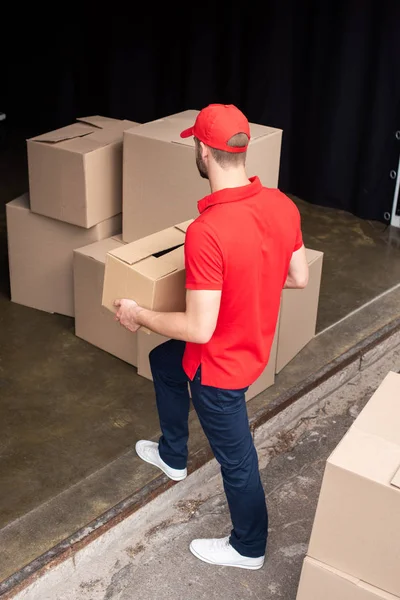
[
  {"x": 70, "y": 414},
  {"x": 147, "y": 557}
]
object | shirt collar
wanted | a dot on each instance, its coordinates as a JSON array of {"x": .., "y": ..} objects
[{"x": 231, "y": 194}]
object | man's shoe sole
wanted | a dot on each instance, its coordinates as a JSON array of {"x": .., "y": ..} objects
[
  {"x": 150, "y": 462},
  {"x": 218, "y": 564}
]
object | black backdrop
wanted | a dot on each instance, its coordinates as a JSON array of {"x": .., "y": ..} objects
[{"x": 327, "y": 73}]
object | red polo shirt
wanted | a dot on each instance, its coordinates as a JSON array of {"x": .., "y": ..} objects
[{"x": 242, "y": 244}]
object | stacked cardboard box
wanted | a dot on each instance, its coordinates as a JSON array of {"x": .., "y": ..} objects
[
  {"x": 161, "y": 184},
  {"x": 298, "y": 314},
  {"x": 161, "y": 187},
  {"x": 75, "y": 199},
  {"x": 93, "y": 322},
  {"x": 355, "y": 541},
  {"x": 73, "y": 252}
]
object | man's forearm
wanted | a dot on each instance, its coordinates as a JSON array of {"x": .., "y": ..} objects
[{"x": 172, "y": 325}]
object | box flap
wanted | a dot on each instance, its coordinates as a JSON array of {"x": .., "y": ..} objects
[
  {"x": 396, "y": 479},
  {"x": 109, "y": 135},
  {"x": 69, "y": 132},
  {"x": 98, "y": 250},
  {"x": 103, "y": 122},
  {"x": 157, "y": 242},
  {"x": 108, "y": 131},
  {"x": 155, "y": 268},
  {"x": 184, "y": 226}
]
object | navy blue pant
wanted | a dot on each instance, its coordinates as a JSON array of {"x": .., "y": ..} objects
[{"x": 223, "y": 416}]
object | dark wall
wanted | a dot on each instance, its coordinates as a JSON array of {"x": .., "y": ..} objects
[{"x": 327, "y": 73}]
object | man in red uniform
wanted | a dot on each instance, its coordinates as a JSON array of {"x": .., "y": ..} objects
[{"x": 242, "y": 250}]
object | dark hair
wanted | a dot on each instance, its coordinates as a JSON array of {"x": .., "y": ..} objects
[{"x": 231, "y": 159}]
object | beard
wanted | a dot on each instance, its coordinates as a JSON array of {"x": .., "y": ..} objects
[{"x": 201, "y": 166}]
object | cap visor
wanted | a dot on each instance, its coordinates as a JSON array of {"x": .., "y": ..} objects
[{"x": 187, "y": 132}]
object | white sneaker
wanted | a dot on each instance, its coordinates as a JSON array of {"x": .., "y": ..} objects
[
  {"x": 148, "y": 451},
  {"x": 220, "y": 552}
]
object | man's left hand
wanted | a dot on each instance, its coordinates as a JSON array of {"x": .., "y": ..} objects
[{"x": 127, "y": 314}]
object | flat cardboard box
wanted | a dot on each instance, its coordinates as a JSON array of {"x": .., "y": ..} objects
[
  {"x": 150, "y": 271},
  {"x": 321, "y": 582},
  {"x": 146, "y": 343},
  {"x": 93, "y": 322},
  {"x": 161, "y": 184},
  {"x": 41, "y": 256},
  {"x": 298, "y": 316},
  {"x": 75, "y": 173},
  {"x": 357, "y": 522}
]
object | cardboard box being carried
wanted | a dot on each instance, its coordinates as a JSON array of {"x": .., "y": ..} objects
[
  {"x": 41, "y": 256},
  {"x": 93, "y": 322},
  {"x": 298, "y": 316},
  {"x": 146, "y": 343},
  {"x": 150, "y": 271},
  {"x": 321, "y": 582},
  {"x": 357, "y": 522},
  {"x": 161, "y": 183},
  {"x": 75, "y": 173}
]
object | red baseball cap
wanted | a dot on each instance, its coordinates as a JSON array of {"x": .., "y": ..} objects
[{"x": 216, "y": 124}]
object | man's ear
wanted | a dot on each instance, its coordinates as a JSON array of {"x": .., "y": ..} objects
[{"x": 204, "y": 151}]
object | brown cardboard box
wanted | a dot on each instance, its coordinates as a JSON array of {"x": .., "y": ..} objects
[
  {"x": 41, "y": 256},
  {"x": 357, "y": 522},
  {"x": 146, "y": 343},
  {"x": 75, "y": 173},
  {"x": 93, "y": 322},
  {"x": 150, "y": 271},
  {"x": 161, "y": 184},
  {"x": 321, "y": 582},
  {"x": 298, "y": 317},
  {"x": 267, "y": 378}
]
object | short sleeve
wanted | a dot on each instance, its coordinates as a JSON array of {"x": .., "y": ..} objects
[
  {"x": 203, "y": 258},
  {"x": 299, "y": 236}
]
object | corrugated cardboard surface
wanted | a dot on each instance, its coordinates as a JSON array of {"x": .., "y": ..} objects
[
  {"x": 136, "y": 271},
  {"x": 75, "y": 173},
  {"x": 161, "y": 183},
  {"x": 41, "y": 256},
  {"x": 357, "y": 522},
  {"x": 267, "y": 378},
  {"x": 299, "y": 311},
  {"x": 93, "y": 322},
  {"x": 321, "y": 582}
]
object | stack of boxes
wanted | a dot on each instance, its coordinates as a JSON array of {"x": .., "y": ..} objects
[
  {"x": 354, "y": 550},
  {"x": 75, "y": 198},
  {"x": 70, "y": 253}
]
